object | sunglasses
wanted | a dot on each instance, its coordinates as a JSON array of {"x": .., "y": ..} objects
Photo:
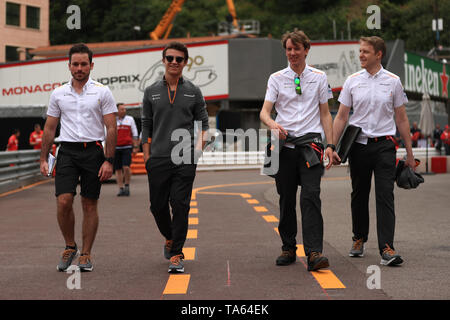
[
  {"x": 298, "y": 89},
  {"x": 177, "y": 59}
]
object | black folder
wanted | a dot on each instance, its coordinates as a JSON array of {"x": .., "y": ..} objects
[{"x": 346, "y": 142}]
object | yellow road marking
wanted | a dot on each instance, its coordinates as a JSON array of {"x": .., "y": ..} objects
[
  {"x": 253, "y": 201},
  {"x": 192, "y": 234},
  {"x": 276, "y": 230},
  {"x": 177, "y": 284},
  {"x": 193, "y": 211},
  {"x": 24, "y": 188},
  {"x": 260, "y": 209},
  {"x": 300, "y": 251},
  {"x": 193, "y": 221},
  {"x": 189, "y": 253},
  {"x": 270, "y": 218},
  {"x": 327, "y": 279},
  {"x": 243, "y": 195},
  {"x": 193, "y": 203},
  {"x": 197, "y": 190}
]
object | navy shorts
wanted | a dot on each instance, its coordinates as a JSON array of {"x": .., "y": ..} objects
[
  {"x": 79, "y": 162},
  {"x": 122, "y": 158}
]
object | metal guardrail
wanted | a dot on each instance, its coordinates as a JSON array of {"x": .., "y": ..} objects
[{"x": 18, "y": 169}]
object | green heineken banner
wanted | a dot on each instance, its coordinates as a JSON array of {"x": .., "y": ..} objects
[{"x": 425, "y": 75}]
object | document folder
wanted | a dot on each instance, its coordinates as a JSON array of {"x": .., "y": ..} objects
[{"x": 346, "y": 142}]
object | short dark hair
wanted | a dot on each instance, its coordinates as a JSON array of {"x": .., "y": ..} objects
[
  {"x": 177, "y": 46},
  {"x": 297, "y": 37},
  {"x": 377, "y": 43},
  {"x": 80, "y": 48},
  {"x": 119, "y": 104}
]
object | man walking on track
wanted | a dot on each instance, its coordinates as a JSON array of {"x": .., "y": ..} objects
[
  {"x": 127, "y": 143},
  {"x": 172, "y": 104},
  {"x": 378, "y": 102},
  {"x": 83, "y": 107},
  {"x": 300, "y": 95}
]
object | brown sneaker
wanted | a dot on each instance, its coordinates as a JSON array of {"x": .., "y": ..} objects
[
  {"x": 286, "y": 258},
  {"x": 317, "y": 261},
  {"x": 167, "y": 248},
  {"x": 176, "y": 264},
  {"x": 357, "y": 249},
  {"x": 67, "y": 256},
  {"x": 84, "y": 263}
]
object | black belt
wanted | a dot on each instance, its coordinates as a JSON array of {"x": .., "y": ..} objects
[
  {"x": 81, "y": 145},
  {"x": 378, "y": 139}
]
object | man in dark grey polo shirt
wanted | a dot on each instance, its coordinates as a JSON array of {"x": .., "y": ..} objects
[{"x": 171, "y": 106}]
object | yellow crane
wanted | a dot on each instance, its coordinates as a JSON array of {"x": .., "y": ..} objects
[{"x": 166, "y": 24}]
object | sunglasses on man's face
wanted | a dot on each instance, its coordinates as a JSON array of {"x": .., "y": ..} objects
[
  {"x": 298, "y": 89},
  {"x": 178, "y": 59}
]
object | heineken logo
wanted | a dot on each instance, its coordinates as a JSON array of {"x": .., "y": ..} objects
[{"x": 425, "y": 75}]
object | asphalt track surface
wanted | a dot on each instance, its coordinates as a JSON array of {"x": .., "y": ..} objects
[{"x": 232, "y": 245}]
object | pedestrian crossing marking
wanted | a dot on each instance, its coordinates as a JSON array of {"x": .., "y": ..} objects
[
  {"x": 177, "y": 284},
  {"x": 193, "y": 211},
  {"x": 193, "y": 203}
]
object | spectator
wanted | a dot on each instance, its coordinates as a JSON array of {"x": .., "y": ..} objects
[
  {"x": 36, "y": 137},
  {"x": 437, "y": 138},
  {"x": 445, "y": 138},
  {"x": 416, "y": 134},
  {"x": 13, "y": 141}
]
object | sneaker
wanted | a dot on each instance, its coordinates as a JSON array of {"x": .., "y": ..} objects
[
  {"x": 167, "y": 248},
  {"x": 390, "y": 258},
  {"x": 357, "y": 249},
  {"x": 67, "y": 256},
  {"x": 176, "y": 264},
  {"x": 317, "y": 261},
  {"x": 126, "y": 191},
  {"x": 121, "y": 192},
  {"x": 84, "y": 263},
  {"x": 286, "y": 258}
]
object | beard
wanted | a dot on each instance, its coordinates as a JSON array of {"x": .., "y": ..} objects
[{"x": 81, "y": 76}]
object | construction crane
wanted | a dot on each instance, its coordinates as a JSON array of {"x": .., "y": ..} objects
[{"x": 164, "y": 26}]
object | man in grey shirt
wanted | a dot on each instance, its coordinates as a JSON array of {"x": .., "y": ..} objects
[{"x": 171, "y": 106}]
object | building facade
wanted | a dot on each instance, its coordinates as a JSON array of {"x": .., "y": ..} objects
[{"x": 24, "y": 25}]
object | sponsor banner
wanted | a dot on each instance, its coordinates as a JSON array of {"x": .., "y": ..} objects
[
  {"x": 338, "y": 59},
  {"x": 127, "y": 74},
  {"x": 425, "y": 75}
]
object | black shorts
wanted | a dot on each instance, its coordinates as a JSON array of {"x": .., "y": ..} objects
[
  {"x": 122, "y": 158},
  {"x": 79, "y": 162}
]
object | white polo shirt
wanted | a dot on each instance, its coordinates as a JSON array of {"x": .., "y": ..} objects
[
  {"x": 373, "y": 98},
  {"x": 298, "y": 114},
  {"x": 81, "y": 115}
]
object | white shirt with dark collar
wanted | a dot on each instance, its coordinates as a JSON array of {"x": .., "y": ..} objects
[
  {"x": 81, "y": 115},
  {"x": 298, "y": 114},
  {"x": 373, "y": 98}
]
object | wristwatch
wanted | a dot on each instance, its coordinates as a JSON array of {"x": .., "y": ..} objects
[
  {"x": 110, "y": 160},
  {"x": 332, "y": 146}
]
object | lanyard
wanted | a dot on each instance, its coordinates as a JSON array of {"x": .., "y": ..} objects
[{"x": 168, "y": 92}]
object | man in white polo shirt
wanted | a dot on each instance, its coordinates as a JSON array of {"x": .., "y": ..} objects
[
  {"x": 377, "y": 98},
  {"x": 83, "y": 107},
  {"x": 300, "y": 95}
]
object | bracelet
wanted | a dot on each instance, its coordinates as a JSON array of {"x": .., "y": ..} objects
[{"x": 332, "y": 146}]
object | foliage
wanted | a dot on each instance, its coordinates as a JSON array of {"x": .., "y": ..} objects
[{"x": 103, "y": 20}]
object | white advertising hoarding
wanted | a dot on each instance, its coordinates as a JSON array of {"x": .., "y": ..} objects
[
  {"x": 126, "y": 73},
  {"x": 338, "y": 59}
]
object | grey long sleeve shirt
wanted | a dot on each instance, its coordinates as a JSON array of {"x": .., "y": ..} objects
[{"x": 160, "y": 118}]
